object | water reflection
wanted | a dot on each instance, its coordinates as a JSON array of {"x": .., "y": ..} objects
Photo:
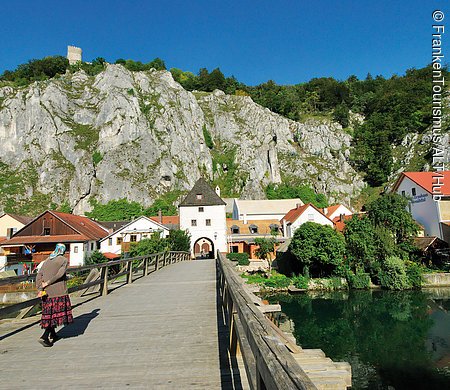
[{"x": 393, "y": 340}]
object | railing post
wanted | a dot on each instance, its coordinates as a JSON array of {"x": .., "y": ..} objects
[
  {"x": 146, "y": 266},
  {"x": 130, "y": 272},
  {"x": 104, "y": 276},
  {"x": 156, "y": 262},
  {"x": 164, "y": 259}
]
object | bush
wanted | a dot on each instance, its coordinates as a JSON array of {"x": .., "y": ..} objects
[
  {"x": 75, "y": 281},
  {"x": 277, "y": 280},
  {"x": 360, "y": 280},
  {"x": 241, "y": 258},
  {"x": 414, "y": 272},
  {"x": 96, "y": 257},
  {"x": 300, "y": 281},
  {"x": 393, "y": 274}
]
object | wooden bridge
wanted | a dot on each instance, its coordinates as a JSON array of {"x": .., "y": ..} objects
[{"x": 189, "y": 325}]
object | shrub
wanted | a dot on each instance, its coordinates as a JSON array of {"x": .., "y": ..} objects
[
  {"x": 360, "y": 280},
  {"x": 414, "y": 272},
  {"x": 393, "y": 274},
  {"x": 277, "y": 280},
  {"x": 300, "y": 281},
  {"x": 96, "y": 257},
  {"x": 75, "y": 281},
  {"x": 241, "y": 258}
]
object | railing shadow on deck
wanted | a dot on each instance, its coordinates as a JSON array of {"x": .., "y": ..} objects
[
  {"x": 132, "y": 269},
  {"x": 268, "y": 363}
]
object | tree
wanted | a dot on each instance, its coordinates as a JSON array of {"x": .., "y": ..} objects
[
  {"x": 266, "y": 246},
  {"x": 390, "y": 212},
  {"x": 115, "y": 210},
  {"x": 96, "y": 257},
  {"x": 179, "y": 240},
  {"x": 319, "y": 249},
  {"x": 148, "y": 246},
  {"x": 360, "y": 243}
]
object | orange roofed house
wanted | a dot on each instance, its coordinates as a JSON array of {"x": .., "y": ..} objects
[
  {"x": 36, "y": 240},
  {"x": 429, "y": 200}
]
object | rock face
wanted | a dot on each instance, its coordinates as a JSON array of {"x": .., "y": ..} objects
[{"x": 137, "y": 135}]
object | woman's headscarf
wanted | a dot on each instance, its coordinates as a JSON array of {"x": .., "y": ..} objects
[{"x": 59, "y": 250}]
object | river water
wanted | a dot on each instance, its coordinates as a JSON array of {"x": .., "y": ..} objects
[{"x": 393, "y": 340}]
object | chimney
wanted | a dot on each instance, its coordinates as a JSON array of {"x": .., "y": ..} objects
[
  {"x": 245, "y": 219},
  {"x": 218, "y": 190},
  {"x": 9, "y": 233},
  {"x": 298, "y": 205},
  {"x": 160, "y": 216},
  {"x": 325, "y": 210}
]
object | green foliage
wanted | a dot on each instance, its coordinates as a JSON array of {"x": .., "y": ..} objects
[
  {"x": 359, "y": 280},
  {"x": 148, "y": 246},
  {"x": 36, "y": 70},
  {"x": 341, "y": 115},
  {"x": 393, "y": 274},
  {"x": 361, "y": 247},
  {"x": 319, "y": 249},
  {"x": 208, "y": 139},
  {"x": 86, "y": 136},
  {"x": 266, "y": 246},
  {"x": 300, "y": 281},
  {"x": 414, "y": 272},
  {"x": 96, "y": 257},
  {"x": 75, "y": 281},
  {"x": 390, "y": 211},
  {"x": 241, "y": 258},
  {"x": 277, "y": 280},
  {"x": 137, "y": 66},
  {"x": 304, "y": 192},
  {"x": 64, "y": 208},
  {"x": 165, "y": 204},
  {"x": 179, "y": 240},
  {"x": 97, "y": 157},
  {"x": 115, "y": 210}
]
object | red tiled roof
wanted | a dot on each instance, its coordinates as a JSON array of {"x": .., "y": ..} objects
[
  {"x": 294, "y": 214},
  {"x": 168, "y": 219},
  {"x": 83, "y": 225},
  {"x": 111, "y": 256},
  {"x": 426, "y": 181},
  {"x": 332, "y": 209},
  {"x": 43, "y": 239},
  {"x": 339, "y": 223}
]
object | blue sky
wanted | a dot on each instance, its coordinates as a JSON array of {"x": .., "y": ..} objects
[{"x": 254, "y": 40}]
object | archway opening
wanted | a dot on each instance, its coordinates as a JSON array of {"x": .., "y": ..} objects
[{"x": 204, "y": 248}]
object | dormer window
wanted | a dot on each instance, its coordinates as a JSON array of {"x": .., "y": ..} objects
[
  {"x": 253, "y": 229},
  {"x": 234, "y": 229},
  {"x": 199, "y": 196},
  {"x": 274, "y": 228}
]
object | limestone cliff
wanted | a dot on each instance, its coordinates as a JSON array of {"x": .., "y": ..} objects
[{"x": 137, "y": 135}]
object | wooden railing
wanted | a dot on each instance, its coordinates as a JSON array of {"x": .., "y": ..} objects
[
  {"x": 268, "y": 363},
  {"x": 132, "y": 268}
]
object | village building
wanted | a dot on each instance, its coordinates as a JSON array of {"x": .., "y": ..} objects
[
  {"x": 336, "y": 211},
  {"x": 202, "y": 213},
  {"x": 301, "y": 214},
  {"x": 36, "y": 240},
  {"x": 263, "y": 209},
  {"x": 9, "y": 225},
  {"x": 241, "y": 236},
  {"x": 120, "y": 240},
  {"x": 432, "y": 214}
]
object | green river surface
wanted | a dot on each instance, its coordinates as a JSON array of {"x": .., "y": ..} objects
[{"x": 392, "y": 339}]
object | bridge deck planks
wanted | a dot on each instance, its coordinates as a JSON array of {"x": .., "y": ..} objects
[{"x": 161, "y": 332}]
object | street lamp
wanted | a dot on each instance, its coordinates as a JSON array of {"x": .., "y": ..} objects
[{"x": 215, "y": 236}]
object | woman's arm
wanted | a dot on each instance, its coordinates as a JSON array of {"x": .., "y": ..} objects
[
  {"x": 59, "y": 274},
  {"x": 39, "y": 280}
]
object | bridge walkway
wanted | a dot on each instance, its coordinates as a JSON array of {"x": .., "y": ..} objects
[{"x": 164, "y": 331}]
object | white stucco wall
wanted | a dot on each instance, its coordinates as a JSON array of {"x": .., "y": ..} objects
[
  {"x": 218, "y": 224},
  {"x": 144, "y": 228},
  {"x": 341, "y": 210},
  {"x": 422, "y": 207},
  {"x": 78, "y": 257},
  {"x": 317, "y": 218}
]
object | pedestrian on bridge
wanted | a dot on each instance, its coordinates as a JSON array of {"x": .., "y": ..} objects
[{"x": 52, "y": 288}]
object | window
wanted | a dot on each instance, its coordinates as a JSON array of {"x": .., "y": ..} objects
[
  {"x": 208, "y": 222},
  {"x": 403, "y": 193},
  {"x": 144, "y": 236},
  {"x": 92, "y": 246},
  {"x": 193, "y": 222},
  {"x": 413, "y": 191},
  {"x": 110, "y": 241},
  {"x": 133, "y": 238},
  {"x": 119, "y": 240},
  {"x": 234, "y": 229},
  {"x": 46, "y": 231},
  {"x": 199, "y": 196},
  {"x": 253, "y": 229},
  {"x": 310, "y": 217},
  {"x": 75, "y": 249},
  {"x": 234, "y": 249},
  {"x": 201, "y": 209}
]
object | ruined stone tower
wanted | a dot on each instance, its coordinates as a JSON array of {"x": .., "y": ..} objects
[{"x": 74, "y": 54}]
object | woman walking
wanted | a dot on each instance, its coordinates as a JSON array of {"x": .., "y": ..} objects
[{"x": 52, "y": 288}]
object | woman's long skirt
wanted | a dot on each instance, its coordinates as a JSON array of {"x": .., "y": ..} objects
[{"x": 56, "y": 311}]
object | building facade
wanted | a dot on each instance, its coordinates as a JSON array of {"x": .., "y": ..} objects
[{"x": 301, "y": 214}]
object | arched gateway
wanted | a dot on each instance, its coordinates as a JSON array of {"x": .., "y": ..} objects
[{"x": 204, "y": 248}]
